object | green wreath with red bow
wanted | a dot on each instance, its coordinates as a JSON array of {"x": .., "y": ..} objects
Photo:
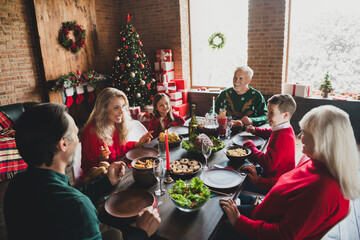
[
  {"x": 217, "y": 40},
  {"x": 79, "y": 34}
]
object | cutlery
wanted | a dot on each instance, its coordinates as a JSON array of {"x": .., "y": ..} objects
[{"x": 221, "y": 193}]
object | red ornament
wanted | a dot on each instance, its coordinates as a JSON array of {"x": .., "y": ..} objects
[
  {"x": 128, "y": 19},
  {"x": 126, "y": 47},
  {"x": 122, "y": 66},
  {"x": 151, "y": 98},
  {"x": 149, "y": 86},
  {"x": 140, "y": 43},
  {"x": 145, "y": 77},
  {"x": 142, "y": 66},
  {"x": 136, "y": 55},
  {"x": 123, "y": 39}
]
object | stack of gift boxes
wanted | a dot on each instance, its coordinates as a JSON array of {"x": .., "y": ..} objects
[
  {"x": 175, "y": 88},
  {"x": 296, "y": 89}
]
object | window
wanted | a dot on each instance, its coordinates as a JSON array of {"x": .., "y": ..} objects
[
  {"x": 215, "y": 68},
  {"x": 324, "y": 37}
]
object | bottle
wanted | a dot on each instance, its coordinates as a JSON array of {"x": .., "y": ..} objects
[{"x": 193, "y": 126}]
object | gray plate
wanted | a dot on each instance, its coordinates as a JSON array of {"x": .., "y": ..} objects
[
  {"x": 240, "y": 139},
  {"x": 221, "y": 178},
  {"x": 181, "y": 130}
]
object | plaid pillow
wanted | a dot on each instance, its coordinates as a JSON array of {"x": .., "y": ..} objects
[{"x": 5, "y": 121}]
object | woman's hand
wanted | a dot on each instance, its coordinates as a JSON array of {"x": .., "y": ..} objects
[
  {"x": 252, "y": 173},
  {"x": 230, "y": 209},
  {"x": 104, "y": 152},
  {"x": 145, "y": 139},
  {"x": 116, "y": 171},
  {"x": 250, "y": 129},
  {"x": 148, "y": 220},
  {"x": 247, "y": 121}
]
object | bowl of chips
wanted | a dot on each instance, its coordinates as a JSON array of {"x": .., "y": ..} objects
[
  {"x": 174, "y": 139},
  {"x": 237, "y": 153}
]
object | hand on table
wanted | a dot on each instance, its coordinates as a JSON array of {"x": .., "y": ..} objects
[
  {"x": 104, "y": 152},
  {"x": 145, "y": 139},
  {"x": 250, "y": 129},
  {"x": 230, "y": 209},
  {"x": 116, "y": 171},
  {"x": 252, "y": 173},
  {"x": 247, "y": 121},
  {"x": 148, "y": 220}
]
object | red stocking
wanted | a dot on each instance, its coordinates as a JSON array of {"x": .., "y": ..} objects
[
  {"x": 91, "y": 95},
  {"x": 69, "y": 92},
  {"x": 80, "y": 94}
]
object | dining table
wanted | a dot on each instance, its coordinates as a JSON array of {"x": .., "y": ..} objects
[{"x": 176, "y": 224}]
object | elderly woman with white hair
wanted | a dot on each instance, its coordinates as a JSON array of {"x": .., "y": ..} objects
[
  {"x": 244, "y": 103},
  {"x": 309, "y": 200}
]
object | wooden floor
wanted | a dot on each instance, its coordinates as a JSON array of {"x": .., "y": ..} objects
[{"x": 349, "y": 228}]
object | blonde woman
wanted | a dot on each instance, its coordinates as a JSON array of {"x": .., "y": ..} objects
[
  {"x": 308, "y": 201},
  {"x": 104, "y": 137}
]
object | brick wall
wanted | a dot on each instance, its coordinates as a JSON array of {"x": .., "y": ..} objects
[
  {"x": 20, "y": 61},
  {"x": 266, "y": 44}
]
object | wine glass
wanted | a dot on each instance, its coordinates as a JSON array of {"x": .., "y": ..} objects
[
  {"x": 229, "y": 126},
  {"x": 159, "y": 173},
  {"x": 206, "y": 151}
]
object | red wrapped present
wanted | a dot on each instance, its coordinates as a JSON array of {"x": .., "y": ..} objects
[
  {"x": 164, "y": 55},
  {"x": 185, "y": 94},
  {"x": 166, "y": 87},
  {"x": 183, "y": 109},
  {"x": 135, "y": 111},
  {"x": 181, "y": 84}
]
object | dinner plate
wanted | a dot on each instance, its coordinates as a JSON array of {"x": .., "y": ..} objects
[
  {"x": 181, "y": 130},
  {"x": 128, "y": 203},
  {"x": 141, "y": 152},
  {"x": 221, "y": 178},
  {"x": 240, "y": 139}
]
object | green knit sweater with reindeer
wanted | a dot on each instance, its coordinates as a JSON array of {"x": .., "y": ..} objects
[{"x": 251, "y": 104}]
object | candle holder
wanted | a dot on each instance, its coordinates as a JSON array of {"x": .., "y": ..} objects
[{"x": 168, "y": 179}]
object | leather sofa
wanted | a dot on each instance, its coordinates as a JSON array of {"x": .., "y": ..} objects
[{"x": 15, "y": 110}]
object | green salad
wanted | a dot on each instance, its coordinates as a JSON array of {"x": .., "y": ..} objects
[
  {"x": 190, "y": 195},
  {"x": 191, "y": 147}
]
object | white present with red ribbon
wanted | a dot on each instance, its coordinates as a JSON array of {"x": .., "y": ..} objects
[
  {"x": 166, "y": 76},
  {"x": 175, "y": 103},
  {"x": 296, "y": 89},
  {"x": 166, "y": 87},
  {"x": 144, "y": 117},
  {"x": 149, "y": 109},
  {"x": 164, "y": 55},
  {"x": 135, "y": 111},
  {"x": 163, "y": 66},
  {"x": 175, "y": 96}
]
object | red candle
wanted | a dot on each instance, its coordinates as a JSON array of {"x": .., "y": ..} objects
[{"x": 167, "y": 152}]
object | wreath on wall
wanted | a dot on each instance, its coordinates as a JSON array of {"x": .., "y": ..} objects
[
  {"x": 79, "y": 34},
  {"x": 217, "y": 40}
]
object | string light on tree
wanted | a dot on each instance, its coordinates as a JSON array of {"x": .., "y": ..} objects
[{"x": 132, "y": 72}]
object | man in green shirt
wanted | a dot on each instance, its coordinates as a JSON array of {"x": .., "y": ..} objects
[
  {"x": 242, "y": 102},
  {"x": 40, "y": 203}
]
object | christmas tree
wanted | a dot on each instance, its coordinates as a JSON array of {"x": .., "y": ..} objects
[
  {"x": 132, "y": 71},
  {"x": 326, "y": 87}
]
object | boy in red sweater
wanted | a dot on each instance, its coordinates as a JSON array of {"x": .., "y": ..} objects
[{"x": 280, "y": 153}]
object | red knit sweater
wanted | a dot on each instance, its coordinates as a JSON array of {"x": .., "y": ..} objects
[
  {"x": 305, "y": 203},
  {"x": 90, "y": 148},
  {"x": 279, "y": 157},
  {"x": 155, "y": 125}
]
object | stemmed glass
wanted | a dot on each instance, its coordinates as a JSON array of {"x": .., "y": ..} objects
[
  {"x": 229, "y": 126},
  {"x": 159, "y": 173},
  {"x": 206, "y": 151}
]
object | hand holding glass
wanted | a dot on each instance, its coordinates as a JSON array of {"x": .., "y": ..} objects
[
  {"x": 159, "y": 173},
  {"x": 206, "y": 151}
]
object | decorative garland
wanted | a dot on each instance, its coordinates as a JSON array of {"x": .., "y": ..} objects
[
  {"x": 79, "y": 33},
  {"x": 219, "y": 45},
  {"x": 75, "y": 79}
]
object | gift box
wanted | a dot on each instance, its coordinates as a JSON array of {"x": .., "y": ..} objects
[
  {"x": 167, "y": 76},
  {"x": 135, "y": 111},
  {"x": 185, "y": 94},
  {"x": 299, "y": 90},
  {"x": 164, "y": 55},
  {"x": 145, "y": 118},
  {"x": 183, "y": 109},
  {"x": 175, "y": 96},
  {"x": 181, "y": 84},
  {"x": 163, "y": 66},
  {"x": 166, "y": 87},
  {"x": 149, "y": 109},
  {"x": 175, "y": 103}
]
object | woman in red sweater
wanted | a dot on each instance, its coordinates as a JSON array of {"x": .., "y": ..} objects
[
  {"x": 104, "y": 137},
  {"x": 308, "y": 201},
  {"x": 163, "y": 115}
]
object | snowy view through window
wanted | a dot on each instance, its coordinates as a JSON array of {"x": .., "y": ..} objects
[{"x": 325, "y": 36}]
